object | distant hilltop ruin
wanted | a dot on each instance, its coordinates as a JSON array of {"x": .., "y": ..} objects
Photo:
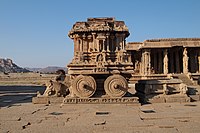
[{"x": 7, "y": 66}]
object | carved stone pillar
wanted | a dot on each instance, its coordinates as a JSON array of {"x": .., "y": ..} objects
[
  {"x": 97, "y": 45},
  {"x": 103, "y": 44},
  {"x": 185, "y": 61},
  {"x": 90, "y": 45},
  {"x": 107, "y": 42},
  {"x": 81, "y": 45},
  {"x": 84, "y": 45},
  {"x": 122, "y": 42},
  {"x": 142, "y": 63},
  {"x": 199, "y": 60},
  {"x": 146, "y": 63},
  {"x": 165, "y": 60},
  {"x": 76, "y": 45},
  {"x": 94, "y": 41}
]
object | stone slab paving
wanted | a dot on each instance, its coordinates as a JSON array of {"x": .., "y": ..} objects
[
  {"x": 158, "y": 117},
  {"x": 21, "y": 115}
]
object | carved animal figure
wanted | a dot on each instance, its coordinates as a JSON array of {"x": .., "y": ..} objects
[{"x": 55, "y": 88}]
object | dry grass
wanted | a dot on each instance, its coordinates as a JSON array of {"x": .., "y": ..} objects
[{"x": 25, "y": 78}]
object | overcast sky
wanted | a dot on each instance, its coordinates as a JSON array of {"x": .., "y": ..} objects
[{"x": 34, "y": 32}]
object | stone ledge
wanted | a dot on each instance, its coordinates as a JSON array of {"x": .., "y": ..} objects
[
  {"x": 47, "y": 100},
  {"x": 169, "y": 99},
  {"x": 55, "y": 100},
  {"x": 124, "y": 100}
]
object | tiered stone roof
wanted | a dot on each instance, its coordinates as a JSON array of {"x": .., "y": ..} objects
[{"x": 98, "y": 25}]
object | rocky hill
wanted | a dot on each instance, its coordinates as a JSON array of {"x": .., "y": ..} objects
[
  {"x": 7, "y": 66},
  {"x": 49, "y": 69}
]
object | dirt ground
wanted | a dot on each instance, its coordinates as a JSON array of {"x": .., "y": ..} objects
[{"x": 18, "y": 114}]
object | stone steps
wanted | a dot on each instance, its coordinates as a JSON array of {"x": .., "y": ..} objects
[{"x": 185, "y": 79}]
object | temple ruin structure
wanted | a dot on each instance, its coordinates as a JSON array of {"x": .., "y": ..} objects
[
  {"x": 102, "y": 55},
  {"x": 165, "y": 56},
  {"x": 104, "y": 64}
]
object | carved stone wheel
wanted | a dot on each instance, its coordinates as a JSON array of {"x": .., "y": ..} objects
[
  {"x": 84, "y": 86},
  {"x": 116, "y": 86}
]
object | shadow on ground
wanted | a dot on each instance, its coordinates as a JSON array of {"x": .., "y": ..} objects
[{"x": 15, "y": 95}]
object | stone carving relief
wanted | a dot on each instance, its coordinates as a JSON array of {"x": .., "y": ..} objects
[{"x": 58, "y": 87}]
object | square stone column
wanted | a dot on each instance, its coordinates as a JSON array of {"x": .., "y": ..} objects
[
  {"x": 185, "y": 61},
  {"x": 81, "y": 45},
  {"x": 84, "y": 45},
  {"x": 97, "y": 43},
  {"x": 107, "y": 42},
  {"x": 118, "y": 42},
  {"x": 76, "y": 45},
  {"x": 199, "y": 60},
  {"x": 146, "y": 62},
  {"x": 123, "y": 41},
  {"x": 104, "y": 45},
  {"x": 94, "y": 41},
  {"x": 165, "y": 60},
  {"x": 142, "y": 63}
]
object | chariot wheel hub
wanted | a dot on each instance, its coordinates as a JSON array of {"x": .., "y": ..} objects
[
  {"x": 84, "y": 86},
  {"x": 116, "y": 86}
]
